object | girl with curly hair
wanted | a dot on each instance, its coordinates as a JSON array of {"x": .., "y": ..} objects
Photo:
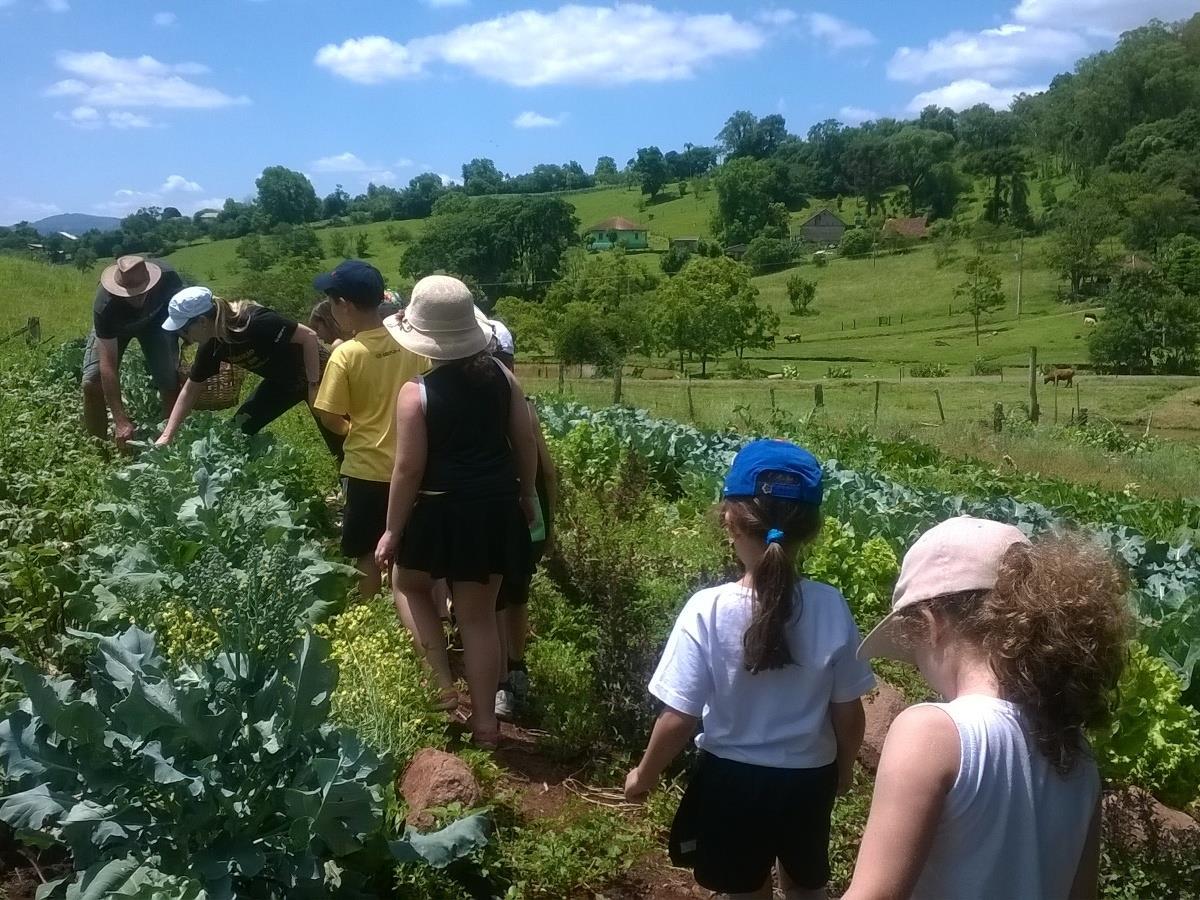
[{"x": 994, "y": 792}]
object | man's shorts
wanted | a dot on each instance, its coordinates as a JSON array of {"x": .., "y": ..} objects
[{"x": 159, "y": 346}]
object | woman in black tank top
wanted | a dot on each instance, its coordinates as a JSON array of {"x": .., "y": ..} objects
[{"x": 462, "y": 489}]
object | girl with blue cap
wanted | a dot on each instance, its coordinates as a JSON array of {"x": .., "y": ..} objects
[{"x": 767, "y": 663}]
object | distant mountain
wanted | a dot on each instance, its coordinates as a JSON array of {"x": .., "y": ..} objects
[{"x": 76, "y": 223}]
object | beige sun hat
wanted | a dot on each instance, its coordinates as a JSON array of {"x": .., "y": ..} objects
[
  {"x": 441, "y": 321},
  {"x": 960, "y": 554},
  {"x": 130, "y": 276}
]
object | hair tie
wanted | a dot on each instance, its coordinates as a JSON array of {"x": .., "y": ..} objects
[{"x": 774, "y": 536}]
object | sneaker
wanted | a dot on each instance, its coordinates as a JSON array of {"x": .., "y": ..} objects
[
  {"x": 518, "y": 680},
  {"x": 506, "y": 703}
]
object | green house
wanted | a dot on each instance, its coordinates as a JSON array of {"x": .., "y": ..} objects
[{"x": 617, "y": 232}]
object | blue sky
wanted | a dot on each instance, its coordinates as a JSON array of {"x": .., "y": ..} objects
[{"x": 115, "y": 104}]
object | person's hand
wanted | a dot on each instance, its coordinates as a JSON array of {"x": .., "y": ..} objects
[
  {"x": 548, "y": 547},
  {"x": 163, "y": 440},
  {"x": 385, "y": 551},
  {"x": 529, "y": 507},
  {"x": 312, "y": 393},
  {"x": 638, "y": 786},
  {"x": 123, "y": 431}
]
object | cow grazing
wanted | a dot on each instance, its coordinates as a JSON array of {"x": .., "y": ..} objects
[
  {"x": 1067, "y": 376},
  {"x": 792, "y": 338}
]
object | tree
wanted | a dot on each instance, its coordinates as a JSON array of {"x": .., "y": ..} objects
[
  {"x": 416, "y": 201},
  {"x": 171, "y": 212},
  {"x": 606, "y": 171},
  {"x": 1181, "y": 264},
  {"x": 337, "y": 244},
  {"x": 856, "y": 242},
  {"x": 769, "y": 254},
  {"x": 298, "y": 242},
  {"x": 744, "y": 205},
  {"x": 916, "y": 154},
  {"x": 514, "y": 243},
  {"x": 650, "y": 167},
  {"x": 1156, "y": 217},
  {"x": 1147, "y": 326},
  {"x": 1075, "y": 246},
  {"x": 336, "y": 204},
  {"x": 674, "y": 259},
  {"x": 707, "y": 309},
  {"x": 362, "y": 245},
  {"x": 982, "y": 291},
  {"x": 255, "y": 253},
  {"x": 868, "y": 168},
  {"x": 744, "y": 134},
  {"x": 801, "y": 293},
  {"x": 480, "y": 176},
  {"x": 85, "y": 258},
  {"x": 286, "y": 196}
]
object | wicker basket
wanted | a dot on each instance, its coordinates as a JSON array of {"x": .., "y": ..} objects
[{"x": 222, "y": 391}]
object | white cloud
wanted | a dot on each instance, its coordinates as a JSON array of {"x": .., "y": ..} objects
[
  {"x": 124, "y": 119},
  {"x": 1106, "y": 17},
  {"x": 968, "y": 92},
  {"x": 575, "y": 45},
  {"x": 530, "y": 119},
  {"x": 128, "y": 200},
  {"x": 351, "y": 164},
  {"x": 403, "y": 163},
  {"x": 165, "y": 19},
  {"x": 342, "y": 162},
  {"x": 57, "y": 6},
  {"x": 177, "y": 183},
  {"x": 994, "y": 54},
  {"x": 369, "y": 60},
  {"x": 100, "y": 79},
  {"x": 777, "y": 17},
  {"x": 856, "y": 115},
  {"x": 837, "y": 33},
  {"x": 19, "y": 209},
  {"x": 89, "y": 118}
]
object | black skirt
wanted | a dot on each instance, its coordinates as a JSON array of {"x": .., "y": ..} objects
[{"x": 465, "y": 539}]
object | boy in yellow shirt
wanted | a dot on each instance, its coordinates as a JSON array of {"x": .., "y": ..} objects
[{"x": 358, "y": 398}]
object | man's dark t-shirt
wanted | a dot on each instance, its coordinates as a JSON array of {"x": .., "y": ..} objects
[
  {"x": 261, "y": 344},
  {"x": 116, "y": 317}
]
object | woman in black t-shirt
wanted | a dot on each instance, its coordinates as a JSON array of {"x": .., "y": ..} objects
[{"x": 286, "y": 355}]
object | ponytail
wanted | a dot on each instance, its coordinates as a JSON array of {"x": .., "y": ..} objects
[
  {"x": 783, "y": 525},
  {"x": 230, "y": 317}
]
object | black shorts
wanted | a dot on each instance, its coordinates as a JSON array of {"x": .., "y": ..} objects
[
  {"x": 465, "y": 538},
  {"x": 514, "y": 589},
  {"x": 736, "y": 819},
  {"x": 364, "y": 519}
]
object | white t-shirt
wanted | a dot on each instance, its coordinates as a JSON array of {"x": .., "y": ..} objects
[
  {"x": 1012, "y": 826},
  {"x": 777, "y": 718}
]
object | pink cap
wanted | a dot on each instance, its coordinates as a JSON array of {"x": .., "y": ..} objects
[{"x": 960, "y": 554}]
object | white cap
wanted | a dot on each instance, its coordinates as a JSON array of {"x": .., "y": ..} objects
[
  {"x": 960, "y": 554},
  {"x": 187, "y": 305},
  {"x": 504, "y": 338}
]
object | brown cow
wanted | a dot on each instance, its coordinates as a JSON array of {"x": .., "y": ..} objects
[{"x": 1056, "y": 375}]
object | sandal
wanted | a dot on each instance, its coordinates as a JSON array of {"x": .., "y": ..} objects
[{"x": 484, "y": 740}]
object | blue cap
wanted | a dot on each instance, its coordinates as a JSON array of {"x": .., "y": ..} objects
[
  {"x": 353, "y": 280},
  {"x": 756, "y": 463}
]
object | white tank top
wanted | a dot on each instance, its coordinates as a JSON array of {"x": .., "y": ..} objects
[{"x": 1012, "y": 826}]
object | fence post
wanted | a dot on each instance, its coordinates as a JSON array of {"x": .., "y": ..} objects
[
  {"x": 818, "y": 395},
  {"x": 1055, "y": 401},
  {"x": 771, "y": 391},
  {"x": 902, "y": 374},
  {"x": 941, "y": 412},
  {"x": 618, "y": 376},
  {"x": 1083, "y": 418},
  {"x": 1034, "y": 412},
  {"x": 562, "y": 377},
  {"x": 1077, "y": 395},
  {"x": 33, "y": 336},
  {"x": 877, "y": 403},
  {"x": 998, "y": 417},
  {"x": 691, "y": 405}
]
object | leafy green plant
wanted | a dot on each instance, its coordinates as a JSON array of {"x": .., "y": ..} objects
[
  {"x": 838, "y": 372},
  {"x": 225, "y": 778},
  {"x": 864, "y": 571},
  {"x": 1153, "y": 740},
  {"x": 929, "y": 370}
]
